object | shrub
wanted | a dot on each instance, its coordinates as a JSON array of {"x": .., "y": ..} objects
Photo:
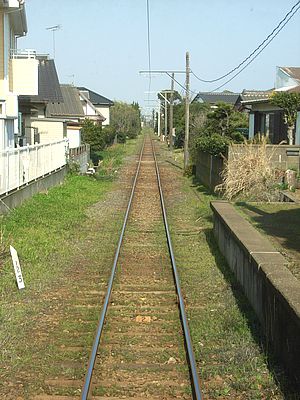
[{"x": 214, "y": 144}]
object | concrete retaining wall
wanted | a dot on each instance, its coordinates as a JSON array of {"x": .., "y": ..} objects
[
  {"x": 16, "y": 197},
  {"x": 270, "y": 287},
  {"x": 80, "y": 156}
]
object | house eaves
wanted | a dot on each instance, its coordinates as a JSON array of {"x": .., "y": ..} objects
[
  {"x": 17, "y": 17},
  {"x": 292, "y": 72},
  {"x": 95, "y": 98},
  {"x": 255, "y": 101}
]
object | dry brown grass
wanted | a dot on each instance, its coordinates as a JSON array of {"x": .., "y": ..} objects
[{"x": 251, "y": 176}]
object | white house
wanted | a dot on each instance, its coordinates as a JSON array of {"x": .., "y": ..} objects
[
  {"x": 100, "y": 103},
  {"x": 18, "y": 70},
  {"x": 36, "y": 126},
  {"x": 21, "y": 75}
]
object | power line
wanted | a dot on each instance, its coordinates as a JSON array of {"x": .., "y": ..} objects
[
  {"x": 286, "y": 18},
  {"x": 149, "y": 44},
  {"x": 178, "y": 83},
  {"x": 251, "y": 61}
]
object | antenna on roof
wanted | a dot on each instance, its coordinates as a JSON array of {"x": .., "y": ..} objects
[
  {"x": 54, "y": 29},
  {"x": 73, "y": 78}
]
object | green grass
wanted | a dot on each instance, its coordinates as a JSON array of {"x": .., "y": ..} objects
[
  {"x": 228, "y": 341},
  {"x": 57, "y": 233},
  {"x": 112, "y": 158}
]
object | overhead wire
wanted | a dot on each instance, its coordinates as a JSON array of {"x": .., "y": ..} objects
[
  {"x": 251, "y": 61},
  {"x": 290, "y": 15},
  {"x": 286, "y": 18},
  {"x": 149, "y": 48}
]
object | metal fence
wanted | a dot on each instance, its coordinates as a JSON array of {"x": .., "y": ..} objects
[{"x": 22, "y": 165}]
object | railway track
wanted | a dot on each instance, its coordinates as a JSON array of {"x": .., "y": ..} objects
[{"x": 142, "y": 346}]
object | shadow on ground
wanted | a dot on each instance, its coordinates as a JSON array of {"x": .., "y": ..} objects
[
  {"x": 282, "y": 224},
  {"x": 286, "y": 385}
]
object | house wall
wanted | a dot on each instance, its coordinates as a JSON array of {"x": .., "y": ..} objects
[
  {"x": 87, "y": 109},
  {"x": 25, "y": 76},
  {"x": 74, "y": 136},
  {"x": 251, "y": 125},
  {"x": 106, "y": 114},
  {"x": 9, "y": 103},
  {"x": 49, "y": 130},
  {"x": 1, "y": 47}
]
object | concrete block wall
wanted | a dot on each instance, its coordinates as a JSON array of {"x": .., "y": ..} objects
[
  {"x": 81, "y": 156},
  {"x": 282, "y": 156},
  {"x": 208, "y": 170},
  {"x": 270, "y": 287}
]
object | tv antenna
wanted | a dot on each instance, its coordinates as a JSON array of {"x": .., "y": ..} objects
[{"x": 54, "y": 29}]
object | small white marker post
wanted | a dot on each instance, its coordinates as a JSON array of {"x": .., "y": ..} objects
[{"x": 17, "y": 267}]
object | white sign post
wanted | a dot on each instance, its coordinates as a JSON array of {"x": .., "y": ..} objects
[{"x": 17, "y": 267}]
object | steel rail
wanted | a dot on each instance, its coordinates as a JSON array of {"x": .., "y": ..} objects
[
  {"x": 187, "y": 336},
  {"x": 88, "y": 377}
]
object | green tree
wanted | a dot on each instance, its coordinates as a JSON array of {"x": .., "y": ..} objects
[
  {"x": 92, "y": 134},
  {"x": 224, "y": 120},
  {"x": 126, "y": 120},
  {"x": 290, "y": 104}
]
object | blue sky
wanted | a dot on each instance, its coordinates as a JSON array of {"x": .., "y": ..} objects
[{"x": 103, "y": 43}]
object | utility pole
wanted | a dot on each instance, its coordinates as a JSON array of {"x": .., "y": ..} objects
[
  {"x": 159, "y": 122},
  {"x": 166, "y": 117},
  {"x": 171, "y": 113},
  {"x": 187, "y": 110}
]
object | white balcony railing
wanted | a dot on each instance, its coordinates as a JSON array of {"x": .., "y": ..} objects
[
  {"x": 23, "y": 53},
  {"x": 22, "y": 165}
]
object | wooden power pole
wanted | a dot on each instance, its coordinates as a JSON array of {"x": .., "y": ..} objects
[
  {"x": 159, "y": 122},
  {"x": 171, "y": 113},
  {"x": 187, "y": 111},
  {"x": 166, "y": 116}
]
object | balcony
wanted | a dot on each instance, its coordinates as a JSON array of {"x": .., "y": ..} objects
[
  {"x": 23, "y": 54},
  {"x": 24, "y": 72}
]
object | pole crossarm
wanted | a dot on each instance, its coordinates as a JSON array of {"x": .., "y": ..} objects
[{"x": 157, "y": 71}]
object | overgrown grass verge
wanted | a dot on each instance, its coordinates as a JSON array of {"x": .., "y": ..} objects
[
  {"x": 227, "y": 339},
  {"x": 112, "y": 159},
  {"x": 39, "y": 228},
  {"x": 65, "y": 244}
]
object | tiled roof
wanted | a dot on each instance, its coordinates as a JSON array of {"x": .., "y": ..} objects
[
  {"x": 255, "y": 95},
  {"x": 95, "y": 98},
  {"x": 69, "y": 107},
  {"x": 262, "y": 96},
  {"x": 215, "y": 97},
  {"x": 49, "y": 89}
]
